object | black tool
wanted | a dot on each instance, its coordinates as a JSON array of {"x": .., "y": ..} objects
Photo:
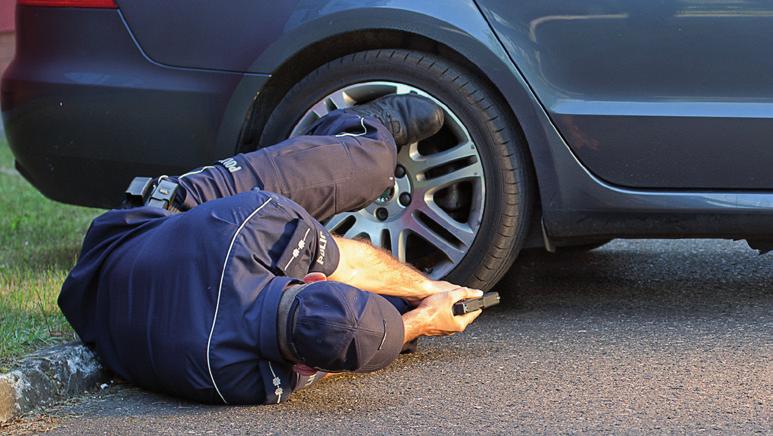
[
  {"x": 147, "y": 191},
  {"x": 471, "y": 305},
  {"x": 138, "y": 190}
]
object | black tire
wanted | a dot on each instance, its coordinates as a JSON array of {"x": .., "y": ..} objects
[{"x": 508, "y": 194}]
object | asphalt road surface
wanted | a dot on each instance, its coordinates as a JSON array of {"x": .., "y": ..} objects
[{"x": 638, "y": 336}]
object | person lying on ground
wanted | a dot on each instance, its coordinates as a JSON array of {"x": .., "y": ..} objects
[{"x": 197, "y": 289}]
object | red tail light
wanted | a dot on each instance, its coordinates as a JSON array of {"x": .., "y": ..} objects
[{"x": 102, "y": 4}]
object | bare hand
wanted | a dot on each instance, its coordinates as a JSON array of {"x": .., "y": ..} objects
[
  {"x": 439, "y": 286},
  {"x": 436, "y": 312},
  {"x": 431, "y": 287}
]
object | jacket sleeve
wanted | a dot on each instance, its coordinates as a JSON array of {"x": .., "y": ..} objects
[{"x": 310, "y": 247}]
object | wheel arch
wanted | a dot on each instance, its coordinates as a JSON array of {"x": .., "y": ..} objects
[
  {"x": 290, "y": 69},
  {"x": 288, "y": 61}
]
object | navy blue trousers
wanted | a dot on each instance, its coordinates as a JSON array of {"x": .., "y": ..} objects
[{"x": 342, "y": 164}]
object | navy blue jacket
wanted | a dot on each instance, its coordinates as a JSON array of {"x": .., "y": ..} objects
[{"x": 185, "y": 303}]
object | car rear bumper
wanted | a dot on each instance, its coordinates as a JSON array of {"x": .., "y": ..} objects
[{"x": 82, "y": 103}]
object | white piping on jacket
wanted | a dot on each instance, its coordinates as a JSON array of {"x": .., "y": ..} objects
[
  {"x": 200, "y": 170},
  {"x": 220, "y": 290}
]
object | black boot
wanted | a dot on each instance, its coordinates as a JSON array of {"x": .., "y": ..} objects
[{"x": 410, "y": 118}]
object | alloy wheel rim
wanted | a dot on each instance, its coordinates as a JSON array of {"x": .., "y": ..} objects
[{"x": 432, "y": 214}]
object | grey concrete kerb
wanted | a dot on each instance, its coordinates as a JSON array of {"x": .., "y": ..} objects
[{"x": 48, "y": 376}]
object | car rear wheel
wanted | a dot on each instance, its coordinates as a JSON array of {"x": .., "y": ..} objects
[{"x": 461, "y": 199}]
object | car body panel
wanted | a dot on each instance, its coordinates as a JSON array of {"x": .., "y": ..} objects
[
  {"x": 666, "y": 94},
  {"x": 183, "y": 33},
  {"x": 191, "y": 115},
  {"x": 79, "y": 88}
]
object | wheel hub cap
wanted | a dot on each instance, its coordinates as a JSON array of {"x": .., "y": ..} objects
[{"x": 433, "y": 211}]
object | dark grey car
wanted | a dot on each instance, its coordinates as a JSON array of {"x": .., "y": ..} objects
[{"x": 568, "y": 122}]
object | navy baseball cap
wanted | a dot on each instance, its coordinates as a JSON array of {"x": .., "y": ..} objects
[{"x": 334, "y": 327}]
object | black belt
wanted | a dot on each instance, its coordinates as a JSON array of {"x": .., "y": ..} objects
[{"x": 146, "y": 191}]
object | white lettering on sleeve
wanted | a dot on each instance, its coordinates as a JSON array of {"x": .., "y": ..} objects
[
  {"x": 322, "y": 246},
  {"x": 231, "y": 164}
]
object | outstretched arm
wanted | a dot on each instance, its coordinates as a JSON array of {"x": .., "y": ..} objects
[
  {"x": 434, "y": 314},
  {"x": 375, "y": 270}
]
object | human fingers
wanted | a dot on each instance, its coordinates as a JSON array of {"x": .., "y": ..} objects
[
  {"x": 464, "y": 293},
  {"x": 467, "y": 318},
  {"x": 443, "y": 286},
  {"x": 434, "y": 287}
]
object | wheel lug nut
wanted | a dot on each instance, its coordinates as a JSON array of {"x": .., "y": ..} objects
[
  {"x": 405, "y": 199},
  {"x": 399, "y": 172},
  {"x": 382, "y": 214}
]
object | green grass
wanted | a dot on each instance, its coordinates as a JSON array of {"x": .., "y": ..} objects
[{"x": 39, "y": 242}]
